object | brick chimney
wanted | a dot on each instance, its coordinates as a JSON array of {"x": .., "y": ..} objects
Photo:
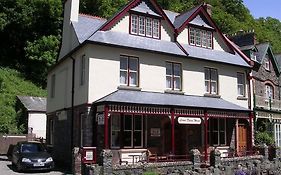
[{"x": 208, "y": 8}]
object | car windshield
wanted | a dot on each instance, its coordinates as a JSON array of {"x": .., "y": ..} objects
[{"x": 32, "y": 148}]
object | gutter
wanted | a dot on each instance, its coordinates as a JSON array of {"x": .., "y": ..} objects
[{"x": 72, "y": 103}]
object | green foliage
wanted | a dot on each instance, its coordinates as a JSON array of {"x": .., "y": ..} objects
[
  {"x": 264, "y": 137},
  {"x": 42, "y": 54},
  {"x": 13, "y": 84}
]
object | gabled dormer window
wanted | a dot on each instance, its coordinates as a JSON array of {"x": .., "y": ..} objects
[
  {"x": 145, "y": 26},
  {"x": 266, "y": 63},
  {"x": 200, "y": 38}
]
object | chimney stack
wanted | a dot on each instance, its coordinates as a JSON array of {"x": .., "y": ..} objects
[
  {"x": 208, "y": 8},
  {"x": 71, "y": 10}
]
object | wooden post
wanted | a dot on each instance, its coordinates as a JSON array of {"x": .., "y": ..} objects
[
  {"x": 173, "y": 130},
  {"x": 106, "y": 146},
  {"x": 206, "y": 135}
]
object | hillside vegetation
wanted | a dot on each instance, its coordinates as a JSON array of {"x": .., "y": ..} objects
[{"x": 30, "y": 32}]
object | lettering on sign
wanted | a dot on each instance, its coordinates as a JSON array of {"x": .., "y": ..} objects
[
  {"x": 155, "y": 132},
  {"x": 89, "y": 155},
  {"x": 189, "y": 120}
]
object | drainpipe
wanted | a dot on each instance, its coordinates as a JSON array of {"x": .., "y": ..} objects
[{"x": 72, "y": 103}]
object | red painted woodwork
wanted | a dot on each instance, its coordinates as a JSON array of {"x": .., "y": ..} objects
[
  {"x": 206, "y": 136},
  {"x": 173, "y": 130},
  {"x": 106, "y": 146}
]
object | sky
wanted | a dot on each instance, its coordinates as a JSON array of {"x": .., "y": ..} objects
[{"x": 264, "y": 8}]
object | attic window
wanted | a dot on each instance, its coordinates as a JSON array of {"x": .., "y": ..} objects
[
  {"x": 267, "y": 63},
  {"x": 145, "y": 26},
  {"x": 200, "y": 38}
]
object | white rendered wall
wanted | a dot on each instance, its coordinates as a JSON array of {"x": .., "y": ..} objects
[
  {"x": 183, "y": 36},
  {"x": 37, "y": 121},
  {"x": 122, "y": 25}
]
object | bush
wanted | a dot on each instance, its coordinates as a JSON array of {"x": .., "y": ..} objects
[{"x": 264, "y": 138}]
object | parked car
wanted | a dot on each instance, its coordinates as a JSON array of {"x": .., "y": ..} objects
[{"x": 31, "y": 155}]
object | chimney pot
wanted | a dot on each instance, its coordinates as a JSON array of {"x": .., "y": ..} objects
[{"x": 208, "y": 8}]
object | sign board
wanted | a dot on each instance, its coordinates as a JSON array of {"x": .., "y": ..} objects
[
  {"x": 100, "y": 119},
  {"x": 189, "y": 120},
  {"x": 155, "y": 132},
  {"x": 88, "y": 155}
]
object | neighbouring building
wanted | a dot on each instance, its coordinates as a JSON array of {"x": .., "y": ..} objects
[
  {"x": 148, "y": 79},
  {"x": 33, "y": 110},
  {"x": 265, "y": 84}
]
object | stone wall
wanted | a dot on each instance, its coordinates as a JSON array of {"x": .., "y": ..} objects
[{"x": 257, "y": 164}]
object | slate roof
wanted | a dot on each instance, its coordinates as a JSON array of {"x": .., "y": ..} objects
[
  {"x": 171, "y": 15},
  {"x": 249, "y": 47},
  {"x": 165, "y": 99},
  {"x": 262, "y": 50},
  {"x": 278, "y": 59},
  {"x": 37, "y": 104},
  {"x": 180, "y": 19},
  {"x": 214, "y": 55},
  {"x": 200, "y": 21}
]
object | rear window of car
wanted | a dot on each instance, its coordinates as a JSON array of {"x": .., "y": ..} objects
[{"x": 32, "y": 148}]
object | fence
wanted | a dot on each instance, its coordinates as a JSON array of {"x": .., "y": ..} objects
[{"x": 7, "y": 140}]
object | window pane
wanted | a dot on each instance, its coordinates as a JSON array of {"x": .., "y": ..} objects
[
  {"x": 177, "y": 69},
  {"x": 177, "y": 83},
  {"x": 123, "y": 63},
  {"x": 123, "y": 77},
  {"x": 204, "y": 39},
  {"x": 148, "y": 27},
  {"x": 115, "y": 139},
  {"x": 213, "y": 87},
  {"x": 156, "y": 28},
  {"x": 215, "y": 138},
  {"x": 133, "y": 64},
  {"x": 127, "y": 122},
  {"x": 168, "y": 68},
  {"x": 141, "y": 25},
  {"x": 207, "y": 74},
  {"x": 214, "y": 75},
  {"x": 134, "y": 24},
  {"x": 115, "y": 123},
  {"x": 198, "y": 38},
  {"x": 240, "y": 90},
  {"x": 133, "y": 78},
  {"x": 137, "y": 138},
  {"x": 138, "y": 123},
  {"x": 215, "y": 124},
  {"x": 168, "y": 82},
  {"x": 207, "y": 86},
  {"x": 209, "y": 39},
  {"x": 222, "y": 124},
  {"x": 127, "y": 138},
  {"x": 192, "y": 36},
  {"x": 222, "y": 138}
]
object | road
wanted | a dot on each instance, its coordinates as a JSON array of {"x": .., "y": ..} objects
[{"x": 7, "y": 169}]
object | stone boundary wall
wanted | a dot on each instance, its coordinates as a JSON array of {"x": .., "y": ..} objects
[{"x": 249, "y": 165}]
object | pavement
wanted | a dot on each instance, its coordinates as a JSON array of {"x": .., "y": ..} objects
[{"x": 7, "y": 169}]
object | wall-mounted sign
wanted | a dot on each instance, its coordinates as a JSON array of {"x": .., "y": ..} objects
[
  {"x": 155, "y": 132},
  {"x": 100, "y": 119},
  {"x": 189, "y": 120},
  {"x": 88, "y": 155}
]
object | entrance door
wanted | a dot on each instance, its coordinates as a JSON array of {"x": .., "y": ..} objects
[{"x": 242, "y": 138}]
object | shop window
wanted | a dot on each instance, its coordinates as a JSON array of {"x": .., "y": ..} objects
[
  {"x": 217, "y": 131},
  {"x": 129, "y": 70},
  {"x": 211, "y": 81},
  {"x": 173, "y": 76},
  {"x": 127, "y": 131}
]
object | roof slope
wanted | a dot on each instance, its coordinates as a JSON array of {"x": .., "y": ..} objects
[
  {"x": 37, "y": 104},
  {"x": 165, "y": 99}
]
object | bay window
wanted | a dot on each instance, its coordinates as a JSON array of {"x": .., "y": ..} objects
[
  {"x": 145, "y": 26},
  {"x": 129, "y": 70},
  {"x": 173, "y": 76},
  {"x": 211, "y": 81},
  {"x": 200, "y": 38}
]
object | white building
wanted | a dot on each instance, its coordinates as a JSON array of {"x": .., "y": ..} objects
[{"x": 148, "y": 79}]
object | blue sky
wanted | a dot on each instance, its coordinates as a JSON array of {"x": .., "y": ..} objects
[{"x": 264, "y": 8}]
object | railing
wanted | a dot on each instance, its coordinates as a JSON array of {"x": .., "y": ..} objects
[{"x": 266, "y": 103}]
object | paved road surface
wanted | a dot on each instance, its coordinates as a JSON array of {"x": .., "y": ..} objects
[{"x": 7, "y": 169}]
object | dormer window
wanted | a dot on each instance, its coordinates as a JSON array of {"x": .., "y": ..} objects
[
  {"x": 200, "y": 38},
  {"x": 145, "y": 26},
  {"x": 267, "y": 63}
]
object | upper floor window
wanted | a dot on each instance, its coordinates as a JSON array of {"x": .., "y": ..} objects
[
  {"x": 269, "y": 91},
  {"x": 53, "y": 85},
  {"x": 200, "y": 38},
  {"x": 145, "y": 26},
  {"x": 241, "y": 84},
  {"x": 267, "y": 63},
  {"x": 82, "y": 70},
  {"x": 173, "y": 76},
  {"x": 129, "y": 70},
  {"x": 211, "y": 81}
]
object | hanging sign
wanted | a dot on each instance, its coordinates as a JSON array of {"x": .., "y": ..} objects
[{"x": 189, "y": 120}]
